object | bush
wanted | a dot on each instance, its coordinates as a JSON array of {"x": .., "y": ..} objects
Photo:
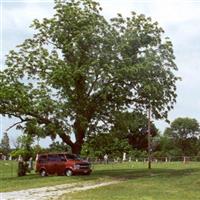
[{"x": 22, "y": 168}]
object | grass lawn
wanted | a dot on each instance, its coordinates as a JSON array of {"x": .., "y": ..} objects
[
  {"x": 173, "y": 181},
  {"x": 166, "y": 181},
  {"x": 9, "y": 181}
]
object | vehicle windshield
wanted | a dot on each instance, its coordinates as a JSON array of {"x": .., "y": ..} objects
[{"x": 72, "y": 157}]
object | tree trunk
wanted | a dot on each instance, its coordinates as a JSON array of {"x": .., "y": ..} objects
[
  {"x": 76, "y": 148},
  {"x": 79, "y": 131}
]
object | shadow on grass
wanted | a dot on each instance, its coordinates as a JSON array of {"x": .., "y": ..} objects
[
  {"x": 36, "y": 177},
  {"x": 125, "y": 174},
  {"x": 122, "y": 174}
]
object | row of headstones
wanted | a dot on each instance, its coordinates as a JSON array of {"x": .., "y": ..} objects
[
  {"x": 129, "y": 159},
  {"x": 4, "y": 157}
]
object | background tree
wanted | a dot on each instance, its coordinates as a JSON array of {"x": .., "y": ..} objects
[
  {"x": 79, "y": 69},
  {"x": 166, "y": 147},
  {"x": 185, "y": 134},
  {"x": 97, "y": 146},
  {"x": 5, "y": 144},
  {"x": 133, "y": 126},
  {"x": 24, "y": 147},
  {"x": 56, "y": 146},
  {"x": 128, "y": 134}
]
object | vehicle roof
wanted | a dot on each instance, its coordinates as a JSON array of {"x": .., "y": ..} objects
[{"x": 55, "y": 153}]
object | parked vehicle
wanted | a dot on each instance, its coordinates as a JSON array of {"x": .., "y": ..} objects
[{"x": 61, "y": 164}]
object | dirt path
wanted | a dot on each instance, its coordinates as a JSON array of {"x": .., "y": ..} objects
[{"x": 51, "y": 192}]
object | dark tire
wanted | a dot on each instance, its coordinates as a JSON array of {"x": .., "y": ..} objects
[
  {"x": 68, "y": 172},
  {"x": 43, "y": 173},
  {"x": 87, "y": 174}
]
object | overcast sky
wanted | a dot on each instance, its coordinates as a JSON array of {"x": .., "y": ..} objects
[{"x": 180, "y": 19}]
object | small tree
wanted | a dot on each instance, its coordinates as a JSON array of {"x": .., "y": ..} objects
[
  {"x": 5, "y": 144},
  {"x": 24, "y": 148}
]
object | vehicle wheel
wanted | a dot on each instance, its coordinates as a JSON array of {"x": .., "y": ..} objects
[
  {"x": 88, "y": 173},
  {"x": 43, "y": 173},
  {"x": 68, "y": 172}
]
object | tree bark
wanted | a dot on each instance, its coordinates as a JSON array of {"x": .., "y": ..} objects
[{"x": 76, "y": 148}]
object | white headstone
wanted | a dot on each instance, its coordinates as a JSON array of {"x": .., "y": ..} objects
[{"x": 124, "y": 157}]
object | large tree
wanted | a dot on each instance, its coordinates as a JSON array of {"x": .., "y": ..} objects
[
  {"x": 185, "y": 133},
  {"x": 79, "y": 69}
]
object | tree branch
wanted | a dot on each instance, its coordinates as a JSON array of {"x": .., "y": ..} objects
[
  {"x": 14, "y": 125},
  {"x": 92, "y": 86},
  {"x": 66, "y": 139}
]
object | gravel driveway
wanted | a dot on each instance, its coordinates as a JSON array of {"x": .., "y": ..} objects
[{"x": 51, "y": 192}]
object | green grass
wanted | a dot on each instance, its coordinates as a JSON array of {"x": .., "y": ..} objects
[
  {"x": 9, "y": 181},
  {"x": 166, "y": 181},
  {"x": 174, "y": 181}
]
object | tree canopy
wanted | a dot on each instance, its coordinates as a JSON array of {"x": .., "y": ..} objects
[
  {"x": 96, "y": 146},
  {"x": 133, "y": 126},
  {"x": 128, "y": 134},
  {"x": 185, "y": 132},
  {"x": 183, "y": 128},
  {"x": 78, "y": 69}
]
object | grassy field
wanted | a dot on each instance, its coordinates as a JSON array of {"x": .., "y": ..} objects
[
  {"x": 173, "y": 181},
  {"x": 166, "y": 181},
  {"x": 10, "y": 182}
]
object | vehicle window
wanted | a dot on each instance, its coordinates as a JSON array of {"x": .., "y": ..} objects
[
  {"x": 71, "y": 156},
  {"x": 42, "y": 158},
  {"x": 54, "y": 158},
  {"x": 62, "y": 157}
]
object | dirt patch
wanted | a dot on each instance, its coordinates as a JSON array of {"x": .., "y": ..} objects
[{"x": 51, "y": 192}]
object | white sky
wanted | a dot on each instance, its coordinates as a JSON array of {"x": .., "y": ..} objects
[{"x": 179, "y": 18}]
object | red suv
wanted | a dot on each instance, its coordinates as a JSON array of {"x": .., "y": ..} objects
[{"x": 61, "y": 163}]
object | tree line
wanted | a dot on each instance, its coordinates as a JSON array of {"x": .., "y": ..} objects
[{"x": 181, "y": 138}]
